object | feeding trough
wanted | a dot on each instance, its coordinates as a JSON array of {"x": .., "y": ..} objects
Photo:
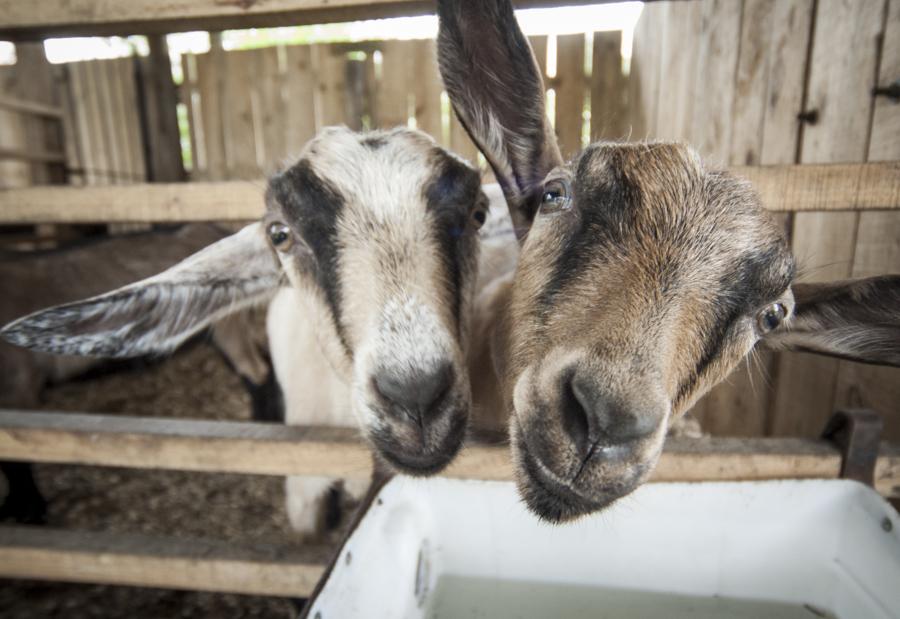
[{"x": 447, "y": 549}]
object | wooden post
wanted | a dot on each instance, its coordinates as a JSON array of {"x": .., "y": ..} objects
[{"x": 160, "y": 98}]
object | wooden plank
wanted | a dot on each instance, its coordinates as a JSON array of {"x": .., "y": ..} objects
[
  {"x": 32, "y": 156},
  {"x": 86, "y": 18},
  {"x": 12, "y": 136},
  {"x": 30, "y": 107},
  {"x": 842, "y": 74},
  {"x": 300, "y": 112},
  {"x": 393, "y": 89},
  {"x": 79, "y": 87},
  {"x": 716, "y": 66},
  {"x": 571, "y": 88},
  {"x": 44, "y": 553},
  {"x": 644, "y": 74},
  {"x": 790, "y": 26},
  {"x": 138, "y": 162},
  {"x": 802, "y": 188},
  {"x": 99, "y": 174},
  {"x": 71, "y": 136},
  {"x": 34, "y": 82},
  {"x": 270, "y": 116},
  {"x": 270, "y": 449},
  {"x": 113, "y": 121},
  {"x": 878, "y": 243},
  {"x": 426, "y": 87},
  {"x": 211, "y": 76},
  {"x": 330, "y": 73},
  {"x": 238, "y": 123},
  {"x": 825, "y": 187},
  {"x": 680, "y": 38},
  {"x": 609, "y": 88}
]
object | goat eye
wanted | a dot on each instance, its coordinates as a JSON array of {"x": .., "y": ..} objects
[
  {"x": 280, "y": 236},
  {"x": 771, "y": 317},
  {"x": 556, "y": 196},
  {"x": 479, "y": 216}
]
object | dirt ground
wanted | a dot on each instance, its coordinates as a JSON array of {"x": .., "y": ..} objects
[{"x": 194, "y": 383}]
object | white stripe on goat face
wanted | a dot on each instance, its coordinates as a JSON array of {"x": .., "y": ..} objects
[{"x": 385, "y": 234}]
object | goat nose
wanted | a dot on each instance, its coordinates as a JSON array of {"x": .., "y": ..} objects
[
  {"x": 417, "y": 393},
  {"x": 592, "y": 414}
]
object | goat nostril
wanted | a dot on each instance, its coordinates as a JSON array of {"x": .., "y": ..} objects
[
  {"x": 418, "y": 393},
  {"x": 591, "y": 414},
  {"x": 575, "y": 413}
]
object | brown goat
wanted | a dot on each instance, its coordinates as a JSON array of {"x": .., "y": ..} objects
[{"x": 644, "y": 278}]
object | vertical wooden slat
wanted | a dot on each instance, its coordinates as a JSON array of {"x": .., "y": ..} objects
[
  {"x": 608, "y": 88},
  {"x": 12, "y": 135},
  {"x": 680, "y": 39},
  {"x": 238, "y": 127},
  {"x": 300, "y": 116},
  {"x": 271, "y": 114},
  {"x": 426, "y": 87},
  {"x": 878, "y": 243},
  {"x": 98, "y": 127},
  {"x": 79, "y": 81},
  {"x": 112, "y": 109},
  {"x": 328, "y": 63},
  {"x": 570, "y": 92},
  {"x": 842, "y": 74},
  {"x": 72, "y": 137},
  {"x": 644, "y": 74},
  {"x": 717, "y": 55},
  {"x": 187, "y": 94},
  {"x": 211, "y": 75},
  {"x": 392, "y": 103}
]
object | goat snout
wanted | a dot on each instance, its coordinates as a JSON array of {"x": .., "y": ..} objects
[
  {"x": 417, "y": 395},
  {"x": 595, "y": 418},
  {"x": 421, "y": 415}
]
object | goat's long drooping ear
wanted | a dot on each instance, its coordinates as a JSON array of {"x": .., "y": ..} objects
[
  {"x": 856, "y": 319},
  {"x": 157, "y": 314},
  {"x": 495, "y": 86}
]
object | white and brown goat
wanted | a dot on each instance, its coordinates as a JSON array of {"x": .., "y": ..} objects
[
  {"x": 644, "y": 278},
  {"x": 369, "y": 246}
]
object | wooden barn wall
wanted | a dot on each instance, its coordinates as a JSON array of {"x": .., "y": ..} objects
[
  {"x": 249, "y": 110},
  {"x": 733, "y": 78}
]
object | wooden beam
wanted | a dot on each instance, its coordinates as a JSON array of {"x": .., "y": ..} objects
[
  {"x": 271, "y": 449},
  {"x": 39, "y": 156},
  {"x": 49, "y": 18},
  {"x": 30, "y": 107},
  {"x": 863, "y": 186},
  {"x": 826, "y": 187},
  {"x": 45, "y": 553}
]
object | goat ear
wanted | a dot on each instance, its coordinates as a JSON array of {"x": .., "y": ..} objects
[
  {"x": 857, "y": 320},
  {"x": 157, "y": 314},
  {"x": 495, "y": 87}
]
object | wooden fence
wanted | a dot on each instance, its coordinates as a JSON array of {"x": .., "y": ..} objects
[
  {"x": 777, "y": 89},
  {"x": 780, "y": 82},
  {"x": 249, "y": 110}
]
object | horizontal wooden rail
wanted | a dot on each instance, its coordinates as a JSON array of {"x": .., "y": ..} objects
[
  {"x": 35, "y": 20},
  {"x": 44, "y": 553},
  {"x": 37, "y": 156},
  {"x": 864, "y": 186},
  {"x": 269, "y": 449},
  {"x": 30, "y": 107}
]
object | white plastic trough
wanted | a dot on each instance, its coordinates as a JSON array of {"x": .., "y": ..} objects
[{"x": 446, "y": 549}]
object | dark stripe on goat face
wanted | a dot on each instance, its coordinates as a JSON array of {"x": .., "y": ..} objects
[
  {"x": 312, "y": 207},
  {"x": 451, "y": 194},
  {"x": 602, "y": 209},
  {"x": 756, "y": 279}
]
